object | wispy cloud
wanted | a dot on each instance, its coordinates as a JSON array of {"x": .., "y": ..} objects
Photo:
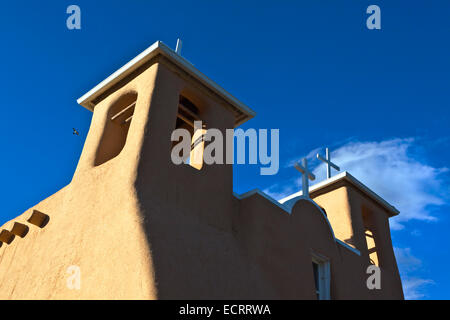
[
  {"x": 389, "y": 169},
  {"x": 310, "y": 155},
  {"x": 406, "y": 261},
  {"x": 413, "y": 286},
  {"x": 279, "y": 191}
]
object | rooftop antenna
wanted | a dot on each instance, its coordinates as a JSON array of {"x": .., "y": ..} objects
[{"x": 178, "y": 48}]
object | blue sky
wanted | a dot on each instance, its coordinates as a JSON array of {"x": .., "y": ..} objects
[{"x": 377, "y": 98}]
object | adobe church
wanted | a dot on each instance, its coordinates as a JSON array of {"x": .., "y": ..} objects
[{"x": 136, "y": 226}]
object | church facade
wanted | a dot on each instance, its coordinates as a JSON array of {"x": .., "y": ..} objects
[{"x": 133, "y": 225}]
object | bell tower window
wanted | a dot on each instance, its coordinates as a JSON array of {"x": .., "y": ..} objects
[
  {"x": 187, "y": 116},
  {"x": 115, "y": 132},
  {"x": 369, "y": 232}
]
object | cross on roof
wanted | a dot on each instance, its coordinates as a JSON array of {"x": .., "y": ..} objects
[
  {"x": 306, "y": 176},
  {"x": 327, "y": 160}
]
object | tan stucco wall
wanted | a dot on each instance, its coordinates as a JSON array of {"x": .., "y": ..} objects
[
  {"x": 345, "y": 206},
  {"x": 140, "y": 227}
]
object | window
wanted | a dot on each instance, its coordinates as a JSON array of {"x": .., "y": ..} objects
[
  {"x": 321, "y": 272},
  {"x": 316, "y": 278},
  {"x": 371, "y": 247},
  {"x": 115, "y": 133},
  {"x": 187, "y": 115}
]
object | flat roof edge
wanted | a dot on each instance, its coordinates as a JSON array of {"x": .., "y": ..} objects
[
  {"x": 264, "y": 195},
  {"x": 287, "y": 210},
  {"x": 118, "y": 75},
  {"x": 160, "y": 48},
  {"x": 342, "y": 243},
  {"x": 348, "y": 177}
]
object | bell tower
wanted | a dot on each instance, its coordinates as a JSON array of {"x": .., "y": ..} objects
[{"x": 136, "y": 110}]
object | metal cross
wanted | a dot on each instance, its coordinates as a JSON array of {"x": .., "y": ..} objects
[
  {"x": 306, "y": 176},
  {"x": 327, "y": 160},
  {"x": 178, "y": 48}
]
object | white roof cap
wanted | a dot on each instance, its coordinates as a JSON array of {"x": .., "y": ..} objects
[
  {"x": 242, "y": 112},
  {"x": 348, "y": 177}
]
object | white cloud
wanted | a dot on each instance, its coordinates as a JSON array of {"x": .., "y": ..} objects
[
  {"x": 406, "y": 261},
  {"x": 389, "y": 169},
  {"x": 413, "y": 286},
  {"x": 278, "y": 191}
]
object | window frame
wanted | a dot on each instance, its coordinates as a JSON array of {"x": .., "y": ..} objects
[{"x": 324, "y": 275}]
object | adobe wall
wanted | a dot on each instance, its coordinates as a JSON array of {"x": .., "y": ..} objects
[
  {"x": 345, "y": 206},
  {"x": 95, "y": 223},
  {"x": 140, "y": 227}
]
